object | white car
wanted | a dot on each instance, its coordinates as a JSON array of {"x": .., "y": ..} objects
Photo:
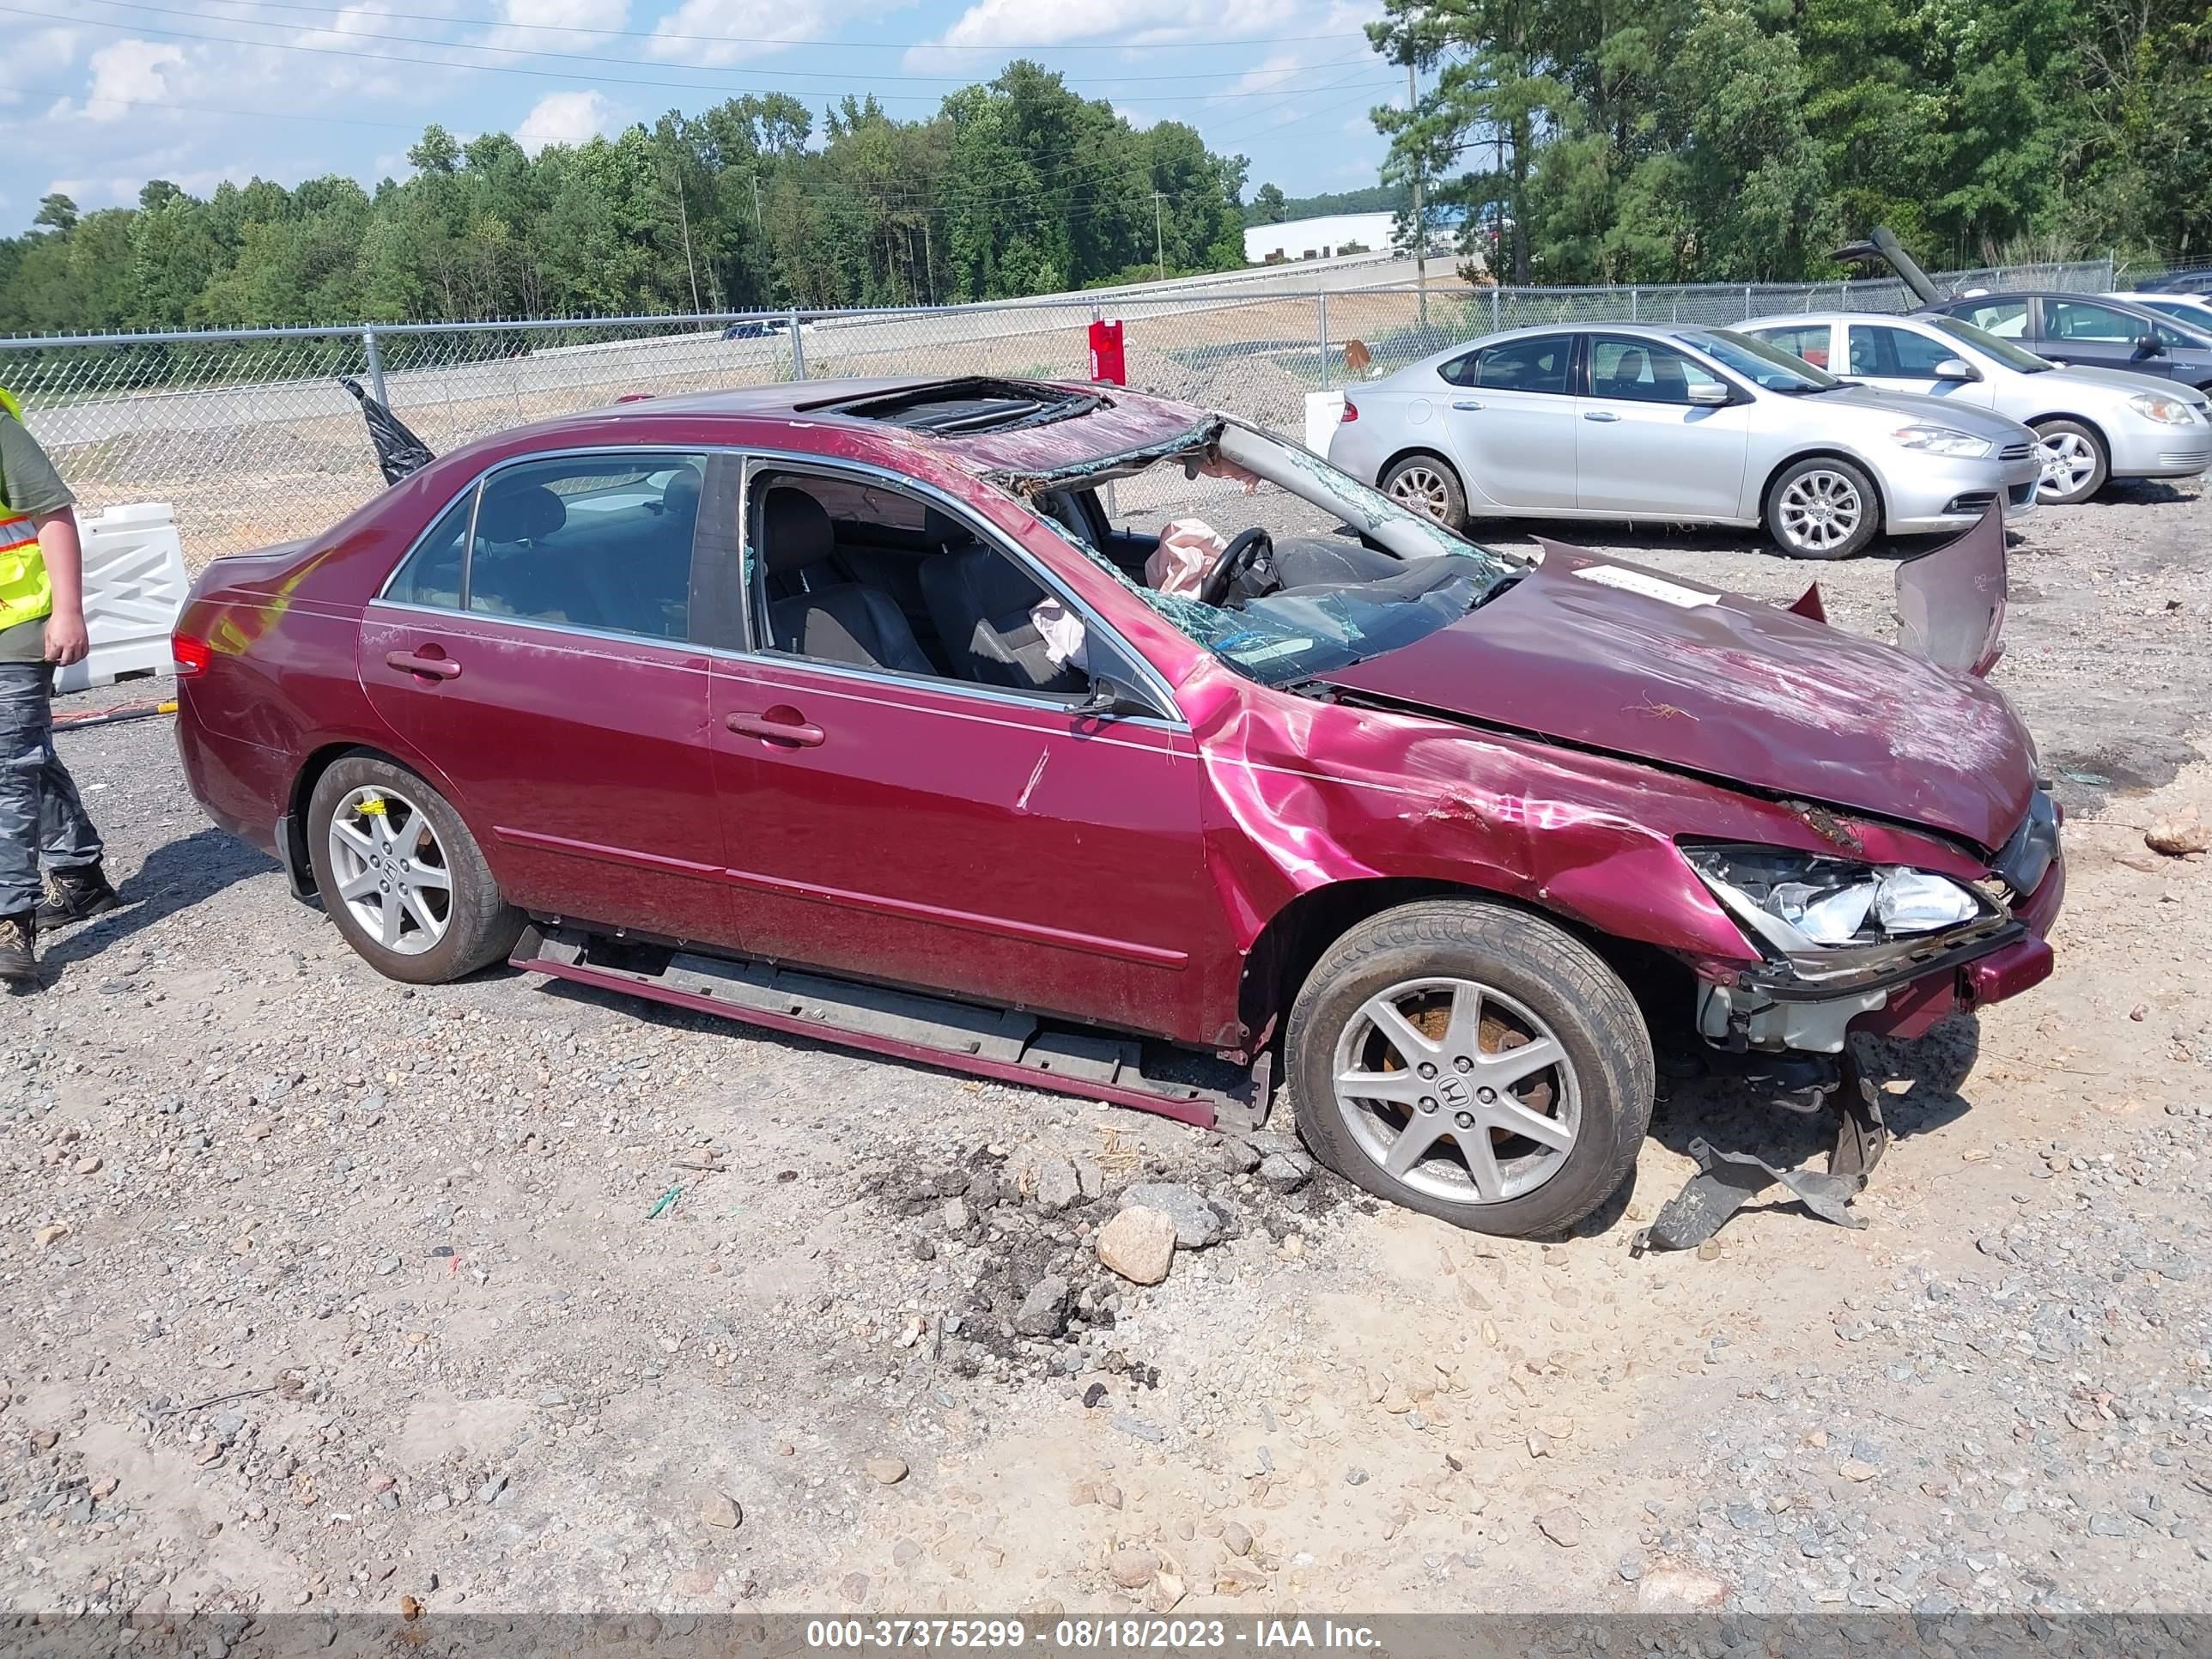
[{"x": 2091, "y": 424}]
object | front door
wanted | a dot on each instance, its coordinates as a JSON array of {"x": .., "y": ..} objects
[
  {"x": 2082, "y": 332},
  {"x": 934, "y": 830},
  {"x": 1642, "y": 447},
  {"x": 541, "y": 663},
  {"x": 1509, "y": 421}
]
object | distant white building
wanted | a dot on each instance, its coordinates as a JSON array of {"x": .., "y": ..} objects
[{"x": 1319, "y": 239}]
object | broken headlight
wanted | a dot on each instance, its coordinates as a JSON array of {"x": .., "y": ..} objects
[{"x": 1804, "y": 905}]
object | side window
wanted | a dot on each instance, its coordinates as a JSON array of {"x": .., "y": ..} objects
[
  {"x": 2170, "y": 336},
  {"x": 2070, "y": 319},
  {"x": 1638, "y": 371},
  {"x": 432, "y": 575},
  {"x": 1532, "y": 365},
  {"x": 1897, "y": 352},
  {"x": 1808, "y": 341},
  {"x": 592, "y": 541},
  {"x": 2006, "y": 318},
  {"x": 943, "y": 603},
  {"x": 1460, "y": 370}
]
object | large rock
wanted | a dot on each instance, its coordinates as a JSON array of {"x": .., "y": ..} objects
[
  {"x": 1198, "y": 1221},
  {"x": 1139, "y": 1245}
]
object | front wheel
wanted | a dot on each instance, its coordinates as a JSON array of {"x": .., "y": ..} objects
[
  {"x": 1823, "y": 508},
  {"x": 1472, "y": 1062},
  {"x": 2075, "y": 464},
  {"x": 402, "y": 875},
  {"x": 1429, "y": 486}
]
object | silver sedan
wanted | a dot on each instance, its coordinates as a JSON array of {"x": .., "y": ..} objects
[
  {"x": 1677, "y": 425},
  {"x": 2091, "y": 424}
]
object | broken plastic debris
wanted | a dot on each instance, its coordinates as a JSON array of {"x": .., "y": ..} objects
[
  {"x": 1725, "y": 1183},
  {"x": 665, "y": 1203},
  {"x": 1061, "y": 631}
]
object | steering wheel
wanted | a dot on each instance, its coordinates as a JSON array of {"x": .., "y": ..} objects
[{"x": 1239, "y": 556}]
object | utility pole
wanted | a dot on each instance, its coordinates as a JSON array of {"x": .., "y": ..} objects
[
  {"x": 756, "y": 216},
  {"x": 929, "y": 265},
  {"x": 1159, "y": 247},
  {"x": 1420, "y": 218},
  {"x": 683, "y": 219}
]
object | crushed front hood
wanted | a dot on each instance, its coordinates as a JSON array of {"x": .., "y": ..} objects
[{"x": 1613, "y": 657}]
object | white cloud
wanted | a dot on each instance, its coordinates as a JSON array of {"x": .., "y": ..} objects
[
  {"x": 1135, "y": 117},
  {"x": 567, "y": 117},
  {"x": 40, "y": 57},
  {"x": 130, "y": 73},
  {"x": 746, "y": 28},
  {"x": 1001, "y": 25},
  {"x": 558, "y": 26}
]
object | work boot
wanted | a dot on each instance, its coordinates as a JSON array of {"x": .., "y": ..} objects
[
  {"x": 76, "y": 895},
  {"x": 19, "y": 959}
]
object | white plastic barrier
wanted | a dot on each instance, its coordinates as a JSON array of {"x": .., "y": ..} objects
[
  {"x": 134, "y": 587},
  {"x": 1323, "y": 410}
]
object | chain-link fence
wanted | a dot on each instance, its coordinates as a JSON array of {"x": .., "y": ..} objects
[{"x": 250, "y": 437}]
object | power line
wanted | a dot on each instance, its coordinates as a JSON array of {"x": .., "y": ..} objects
[
  {"x": 464, "y": 45},
  {"x": 686, "y": 40}
]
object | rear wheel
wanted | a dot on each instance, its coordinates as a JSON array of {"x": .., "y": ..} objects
[
  {"x": 1823, "y": 508},
  {"x": 1427, "y": 485},
  {"x": 2075, "y": 464},
  {"x": 1472, "y": 1063},
  {"x": 402, "y": 875}
]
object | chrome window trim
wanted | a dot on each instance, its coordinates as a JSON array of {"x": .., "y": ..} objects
[
  {"x": 991, "y": 535},
  {"x": 468, "y": 551},
  {"x": 1155, "y": 682}
]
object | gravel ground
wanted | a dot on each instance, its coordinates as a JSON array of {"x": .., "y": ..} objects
[{"x": 317, "y": 1291}]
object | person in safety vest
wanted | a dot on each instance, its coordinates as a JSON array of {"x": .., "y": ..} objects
[{"x": 42, "y": 821}]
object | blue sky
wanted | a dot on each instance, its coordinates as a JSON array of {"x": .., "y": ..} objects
[{"x": 99, "y": 95}]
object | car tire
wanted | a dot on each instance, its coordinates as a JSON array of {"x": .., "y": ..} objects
[
  {"x": 1530, "y": 979},
  {"x": 1823, "y": 507},
  {"x": 2074, "y": 463},
  {"x": 1427, "y": 485},
  {"x": 427, "y": 910}
]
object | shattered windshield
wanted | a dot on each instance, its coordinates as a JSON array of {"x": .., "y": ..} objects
[{"x": 1263, "y": 553}]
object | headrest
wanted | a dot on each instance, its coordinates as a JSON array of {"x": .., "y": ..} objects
[
  {"x": 795, "y": 531},
  {"x": 992, "y": 585},
  {"x": 680, "y": 496},
  {"x": 519, "y": 512},
  {"x": 943, "y": 530}
]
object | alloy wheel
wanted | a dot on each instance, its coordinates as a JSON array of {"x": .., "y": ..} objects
[
  {"x": 2068, "y": 462},
  {"x": 1457, "y": 1090},
  {"x": 1820, "y": 510},
  {"x": 391, "y": 870},
  {"x": 1422, "y": 488}
]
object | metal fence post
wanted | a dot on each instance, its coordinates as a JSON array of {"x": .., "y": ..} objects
[
  {"x": 1322, "y": 297},
  {"x": 375, "y": 366},
  {"x": 798, "y": 349},
  {"x": 1635, "y": 300},
  {"x": 1747, "y": 303},
  {"x": 1494, "y": 292}
]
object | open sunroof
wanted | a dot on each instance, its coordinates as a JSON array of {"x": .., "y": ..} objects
[{"x": 966, "y": 407}]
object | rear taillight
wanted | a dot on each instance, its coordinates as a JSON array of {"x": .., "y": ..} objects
[
  {"x": 193, "y": 656},
  {"x": 1350, "y": 409}
]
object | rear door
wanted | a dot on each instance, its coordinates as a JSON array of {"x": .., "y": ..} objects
[
  {"x": 1509, "y": 413},
  {"x": 534, "y": 650},
  {"x": 1905, "y": 360},
  {"x": 1642, "y": 447}
]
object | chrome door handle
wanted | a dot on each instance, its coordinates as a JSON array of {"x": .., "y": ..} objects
[
  {"x": 799, "y": 734},
  {"x": 436, "y": 668},
  {"x": 1599, "y": 415},
  {"x": 1466, "y": 403}
]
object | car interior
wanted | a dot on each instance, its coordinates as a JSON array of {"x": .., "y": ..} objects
[{"x": 858, "y": 573}]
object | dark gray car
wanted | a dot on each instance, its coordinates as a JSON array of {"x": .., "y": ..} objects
[{"x": 2085, "y": 331}]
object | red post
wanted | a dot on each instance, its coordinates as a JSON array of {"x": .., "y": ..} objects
[{"x": 1107, "y": 362}]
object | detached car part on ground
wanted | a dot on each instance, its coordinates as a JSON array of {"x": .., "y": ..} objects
[
  {"x": 1676, "y": 425},
  {"x": 752, "y": 703},
  {"x": 2091, "y": 425}
]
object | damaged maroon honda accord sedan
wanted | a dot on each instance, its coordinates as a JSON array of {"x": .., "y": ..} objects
[{"x": 849, "y": 709}]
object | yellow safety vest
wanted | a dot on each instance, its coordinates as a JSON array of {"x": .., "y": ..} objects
[{"x": 25, "y": 593}]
